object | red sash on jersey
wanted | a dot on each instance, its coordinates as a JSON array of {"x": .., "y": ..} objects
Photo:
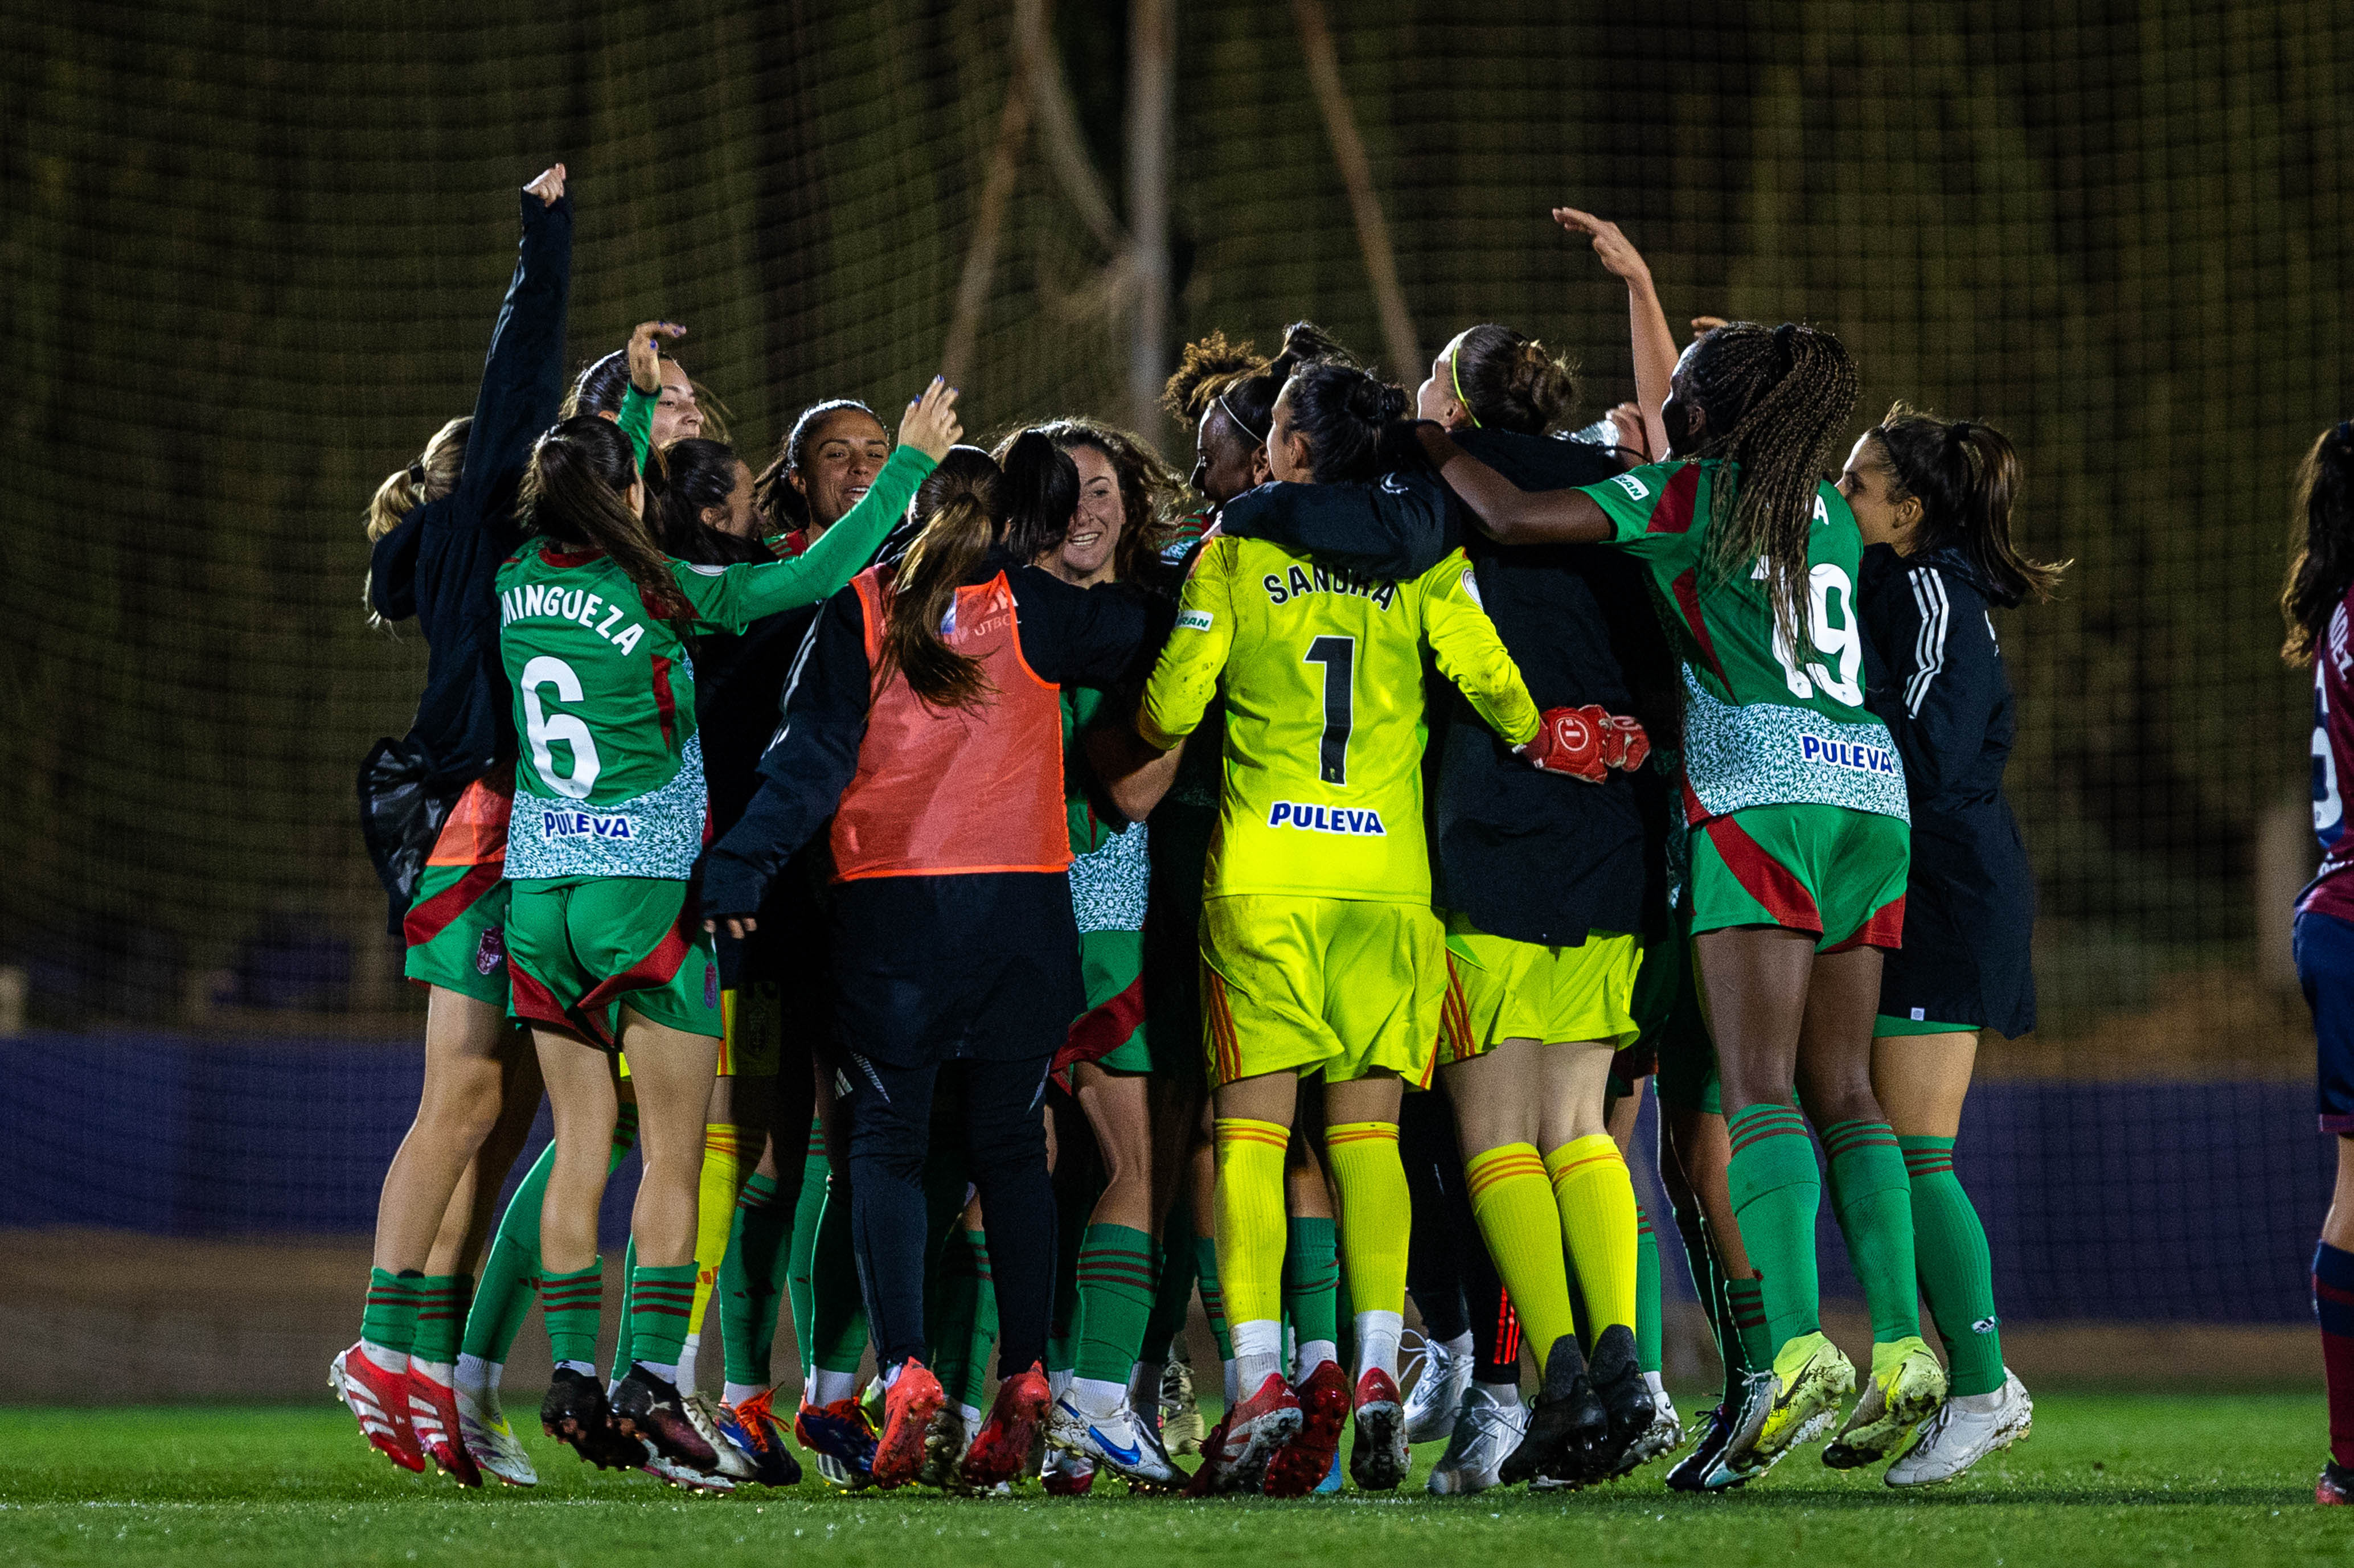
[{"x": 957, "y": 791}]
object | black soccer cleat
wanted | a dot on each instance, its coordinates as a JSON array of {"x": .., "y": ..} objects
[
  {"x": 1568, "y": 1429},
  {"x": 2336, "y": 1487},
  {"x": 575, "y": 1413},
  {"x": 1691, "y": 1473},
  {"x": 1616, "y": 1372},
  {"x": 647, "y": 1405}
]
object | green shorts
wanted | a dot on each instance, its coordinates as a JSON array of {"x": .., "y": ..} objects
[
  {"x": 579, "y": 946},
  {"x": 1885, "y": 1027},
  {"x": 1111, "y": 1032},
  {"x": 456, "y": 931},
  {"x": 1834, "y": 873}
]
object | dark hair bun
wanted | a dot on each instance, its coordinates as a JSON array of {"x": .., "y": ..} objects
[{"x": 1041, "y": 490}]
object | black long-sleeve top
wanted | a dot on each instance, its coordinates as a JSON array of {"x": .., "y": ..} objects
[
  {"x": 439, "y": 563},
  {"x": 1933, "y": 674},
  {"x": 1520, "y": 853}
]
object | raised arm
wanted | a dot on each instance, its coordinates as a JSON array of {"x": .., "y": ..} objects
[
  {"x": 1654, "y": 344},
  {"x": 523, "y": 375},
  {"x": 1506, "y": 513},
  {"x": 643, "y": 394}
]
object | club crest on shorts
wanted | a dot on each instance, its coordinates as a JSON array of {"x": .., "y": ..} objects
[{"x": 490, "y": 951}]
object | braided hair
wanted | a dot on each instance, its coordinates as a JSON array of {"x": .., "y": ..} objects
[
  {"x": 1775, "y": 400},
  {"x": 2323, "y": 566}
]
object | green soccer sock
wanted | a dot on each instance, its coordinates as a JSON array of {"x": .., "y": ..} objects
[
  {"x": 751, "y": 1278},
  {"x": 1744, "y": 1302},
  {"x": 955, "y": 1306},
  {"x": 807, "y": 1212},
  {"x": 625, "y": 1346},
  {"x": 441, "y": 1317},
  {"x": 1071, "y": 1215},
  {"x": 1949, "y": 1246},
  {"x": 572, "y": 1303},
  {"x": 1646, "y": 1292},
  {"x": 1174, "y": 1292},
  {"x": 1312, "y": 1281},
  {"x": 1775, "y": 1190},
  {"x": 1117, "y": 1279},
  {"x": 660, "y": 1302},
  {"x": 984, "y": 1326},
  {"x": 1213, "y": 1299},
  {"x": 837, "y": 1314},
  {"x": 389, "y": 1319},
  {"x": 1873, "y": 1200},
  {"x": 511, "y": 1273}
]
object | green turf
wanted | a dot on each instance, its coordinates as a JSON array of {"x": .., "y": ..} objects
[{"x": 2105, "y": 1478}]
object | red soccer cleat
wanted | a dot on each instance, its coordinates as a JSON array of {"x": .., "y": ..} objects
[
  {"x": 1380, "y": 1458},
  {"x": 907, "y": 1411},
  {"x": 378, "y": 1400},
  {"x": 2336, "y": 1487},
  {"x": 1306, "y": 1459},
  {"x": 433, "y": 1417},
  {"x": 1002, "y": 1448},
  {"x": 1253, "y": 1431}
]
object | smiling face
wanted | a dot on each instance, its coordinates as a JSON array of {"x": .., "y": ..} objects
[
  {"x": 842, "y": 457},
  {"x": 1870, "y": 486},
  {"x": 676, "y": 418},
  {"x": 1085, "y": 555},
  {"x": 1229, "y": 462}
]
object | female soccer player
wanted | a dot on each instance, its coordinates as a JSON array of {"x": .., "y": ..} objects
[
  {"x": 440, "y": 529},
  {"x": 598, "y": 624},
  {"x": 823, "y": 468},
  {"x": 1932, "y": 498},
  {"x": 1321, "y": 952},
  {"x": 2319, "y": 605},
  {"x": 926, "y": 722},
  {"x": 1796, "y": 799},
  {"x": 603, "y": 385}
]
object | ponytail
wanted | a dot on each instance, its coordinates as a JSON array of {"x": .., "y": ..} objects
[
  {"x": 1509, "y": 382},
  {"x": 1964, "y": 474},
  {"x": 1041, "y": 491},
  {"x": 573, "y": 495},
  {"x": 1775, "y": 400},
  {"x": 1344, "y": 413},
  {"x": 1229, "y": 376},
  {"x": 433, "y": 475},
  {"x": 2323, "y": 568},
  {"x": 685, "y": 480},
  {"x": 958, "y": 508}
]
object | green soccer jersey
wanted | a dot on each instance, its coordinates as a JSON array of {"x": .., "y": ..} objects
[
  {"x": 611, "y": 779},
  {"x": 1763, "y": 725},
  {"x": 1111, "y": 869}
]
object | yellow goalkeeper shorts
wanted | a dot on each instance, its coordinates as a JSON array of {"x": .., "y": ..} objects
[
  {"x": 1342, "y": 985},
  {"x": 1498, "y": 989}
]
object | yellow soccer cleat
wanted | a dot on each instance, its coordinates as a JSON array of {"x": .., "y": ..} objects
[
  {"x": 1905, "y": 1388},
  {"x": 1810, "y": 1378}
]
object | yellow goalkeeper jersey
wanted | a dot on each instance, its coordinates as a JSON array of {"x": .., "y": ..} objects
[{"x": 1322, "y": 676}]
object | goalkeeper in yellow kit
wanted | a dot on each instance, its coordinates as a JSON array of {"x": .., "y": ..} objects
[{"x": 1319, "y": 948}]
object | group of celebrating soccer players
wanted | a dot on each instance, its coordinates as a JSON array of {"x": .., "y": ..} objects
[{"x": 1282, "y": 884}]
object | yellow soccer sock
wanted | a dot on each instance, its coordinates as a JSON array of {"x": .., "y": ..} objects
[
  {"x": 1376, "y": 1212},
  {"x": 1251, "y": 1217},
  {"x": 1513, "y": 1202},
  {"x": 714, "y": 1216},
  {"x": 1596, "y": 1196}
]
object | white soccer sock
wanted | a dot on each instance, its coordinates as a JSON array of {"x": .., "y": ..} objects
[
  {"x": 1058, "y": 1384},
  {"x": 1099, "y": 1398},
  {"x": 1313, "y": 1353},
  {"x": 738, "y": 1392},
  {"x": 685, "y": 1379},
  {"x": 438, "y": 1371},
  {"x": 1977, "y": 1403},
  {"x": 586, "y": 1369},
  {"x": 666, "y": 1371},
  {"x": 1234, "y": 1376},
  {"x": 832, "y": 1387},
  {"x": 1377, "y": 1341},
  {"x": 390, "y": 1360},
  {"x": 1651, "y": 1380},
  {"x": 1258, "y": 1353},
  {"x": 477, "y": 1376}
]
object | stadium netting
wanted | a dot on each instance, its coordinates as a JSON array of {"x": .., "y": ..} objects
[{"x": 252, "y": 253}]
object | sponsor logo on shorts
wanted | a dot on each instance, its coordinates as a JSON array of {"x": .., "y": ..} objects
[
  {"x": 1194, "y": 619},
  {"x": 1847, "y": 755},
  {"x": 1635, "y": 488},
  {"x": 1325, "y": 819},
  {"x": 490, "y": 952},
  {"x": 585, "y": 825}
]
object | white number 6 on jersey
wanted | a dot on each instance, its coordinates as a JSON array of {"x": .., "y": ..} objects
[{"x": 549, "y": 671}]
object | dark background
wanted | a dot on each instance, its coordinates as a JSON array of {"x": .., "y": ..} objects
[{"x": 252, "y": 251}]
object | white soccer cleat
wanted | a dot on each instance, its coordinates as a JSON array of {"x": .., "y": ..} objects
[
  {"x": 1488, "y": 1428},
  {"x": 483, "y": 1427},
  {"x": 1436, "y": 1397},
  {"x": 1664, "y": 1435},
  {"x": 703, "y": 1414},
  {"x": 671, "y": 1473},
  {"x": 1958, "y": 1434},
  {"x": 1112, "y": 1442}
]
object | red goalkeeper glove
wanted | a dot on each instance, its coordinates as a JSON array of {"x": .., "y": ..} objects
[
  {"x": 1568, "y": 740},
  {"x": 1624, "y": 743}
]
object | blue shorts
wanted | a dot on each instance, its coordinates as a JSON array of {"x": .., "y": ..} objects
[{"x": 2324, "y": 967}]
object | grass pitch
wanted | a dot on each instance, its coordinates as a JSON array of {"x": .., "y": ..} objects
[{"x": 2210, "y": 1480}]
